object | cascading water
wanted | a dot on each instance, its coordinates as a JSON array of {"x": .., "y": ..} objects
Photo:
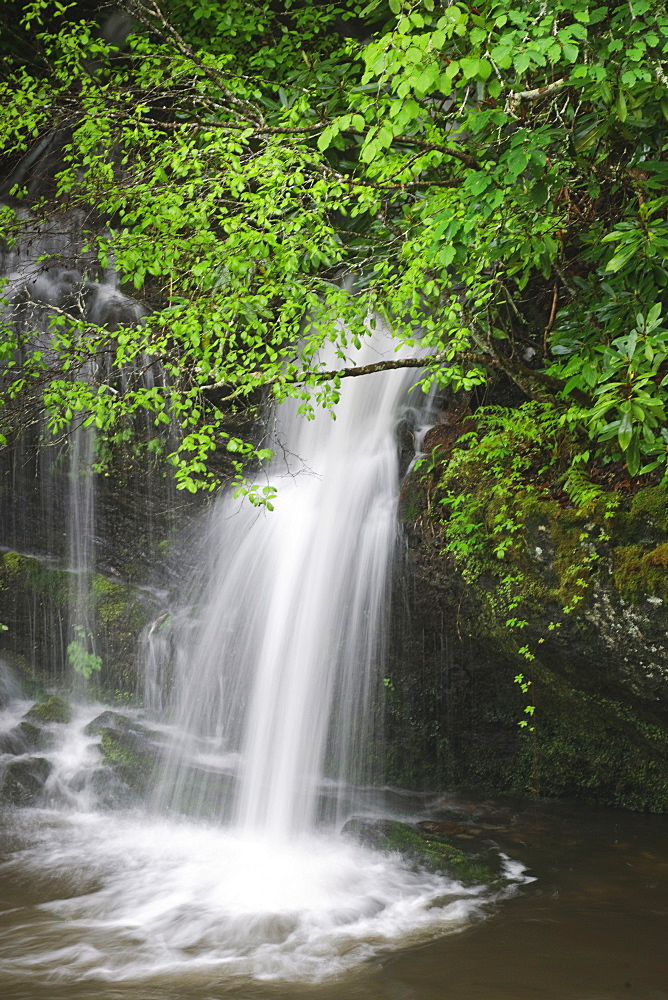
[
  {"x": 284, "y": 664},
  {"x": 48, "y": 483},
  {"x": 80, "y": 545},
  {"x": 269, "y": 681}
]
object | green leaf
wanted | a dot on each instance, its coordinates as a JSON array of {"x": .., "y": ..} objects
[
  {"x": 539, "y": 194},
  {"x": 469, "y": 67},
  {"x": 621, "y": 259},
  {"x": 620, "y": 106},
  {"x": 484, "y": 69},
  {"x": 625, "y": 431},
  {"x": 632, "y": 456},
  {"x": 447, "y": 255}
]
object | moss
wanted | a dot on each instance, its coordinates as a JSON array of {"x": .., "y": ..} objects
[
  {"x": 639, "y": 573},
  {"x": 651, "y": 506},
  {"x": 35, "y": 576},
  {"x": 116, "y": 603},
  {"x": 55, "y": 709},
  {"x": 595, "y": 749},
  {"x": 131, "y": 756},
  {"x": 580, "y": 578},
  {"x": 427, "y": 850},
  {"x": 34, "y": 736}
]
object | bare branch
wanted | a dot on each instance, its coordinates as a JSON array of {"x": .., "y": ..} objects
[{"x": 535, "y": 95}]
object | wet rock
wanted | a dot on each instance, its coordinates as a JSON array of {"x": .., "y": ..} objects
[
  {"x": 111, "y": 790},
  {"x": 445, "y": 829},
  {"x": 35, "y": 737},
  {"x": 22, "y": 781},
  {"x": 599, "y": 677},
  {"x": 131, "y": 755},
  {"x": 122, "y": 724},
  {"x": 55, "y": 709},
  {"x": 426, "y": 849},
  {"x": 25, "y": 737},
  {"x": 12, "y": 742}
]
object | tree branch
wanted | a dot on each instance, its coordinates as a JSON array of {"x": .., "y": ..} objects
[
  {"x": 378, "y": 366},
  {"x": 535, "y": 95}
]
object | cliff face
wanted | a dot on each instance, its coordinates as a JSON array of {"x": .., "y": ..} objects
[{"x": 585, "y": 620}]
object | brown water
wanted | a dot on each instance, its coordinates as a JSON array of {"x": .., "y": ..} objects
[{"x": 593, "y": 926}]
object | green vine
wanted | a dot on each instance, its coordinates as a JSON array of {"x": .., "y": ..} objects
[{"x": 513, "y": 463}]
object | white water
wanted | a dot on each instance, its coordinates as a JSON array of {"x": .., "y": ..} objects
[
  {"x": 283, "y": 662},
  {"x": 130, "y": 896},
  {"x": 156, "y": 899}
]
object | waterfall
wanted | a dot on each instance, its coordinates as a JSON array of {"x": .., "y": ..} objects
[
  {"x": 48, "y": 483},
  {"x": 80, "y": 544},
  {"x": 280, "y": 670},
  {"x": 265, "y": 686}
]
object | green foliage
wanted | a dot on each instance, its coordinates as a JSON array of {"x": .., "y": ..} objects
[
  {"x": 82, "y": 660},
  {"x": 508, "y": 454},
  {"x": 502, "y": 476},
  {"x": 491, "y": 176}
]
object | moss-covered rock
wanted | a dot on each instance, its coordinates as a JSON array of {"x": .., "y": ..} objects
[
  {"x": 13, "y": 742},
  {"x": 584, "y": 592},
  {"x": 54, "y": 709},
  {"x": 35, "y": 737},
  {"x": 425, "y": 849},
  {"x": 131, "y": 756},
  {"x": 22, "y": 781},
  {"x": 36, "y": 596},
  {"x": 122, "y": 723}
]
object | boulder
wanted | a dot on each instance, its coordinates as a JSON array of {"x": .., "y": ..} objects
[
  {"x": 22, "y": 781},
  {"x": 131, "y": 755},
  {"x": 577, "y": 606},
  {"x": 122, "y": 724},
  {"x": 54, "y": 709},
  {"x": 25, "y": 737}
]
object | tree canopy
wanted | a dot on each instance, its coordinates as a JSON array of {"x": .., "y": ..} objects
[{"x": 491, "y": 178}]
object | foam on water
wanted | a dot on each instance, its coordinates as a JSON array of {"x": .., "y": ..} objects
[{"x": 133, "y": 898}]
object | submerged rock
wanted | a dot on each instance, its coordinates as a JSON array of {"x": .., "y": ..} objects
[
  {"x": 426, "y": 849},
  {"x": 22, "y": 781},
  {"x": 55, "y": 709}
]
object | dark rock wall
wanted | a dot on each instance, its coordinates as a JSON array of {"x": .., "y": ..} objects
[{"x": 600, "y": 673}]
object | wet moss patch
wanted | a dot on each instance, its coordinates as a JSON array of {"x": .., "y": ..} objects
[
  {"x": 425, "y": 849},
  {"x": 131, "y": 756},
  {"x": 55, "y": 709}
]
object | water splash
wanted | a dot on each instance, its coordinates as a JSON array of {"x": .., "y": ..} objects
[{"x": 154, "y": 898}]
